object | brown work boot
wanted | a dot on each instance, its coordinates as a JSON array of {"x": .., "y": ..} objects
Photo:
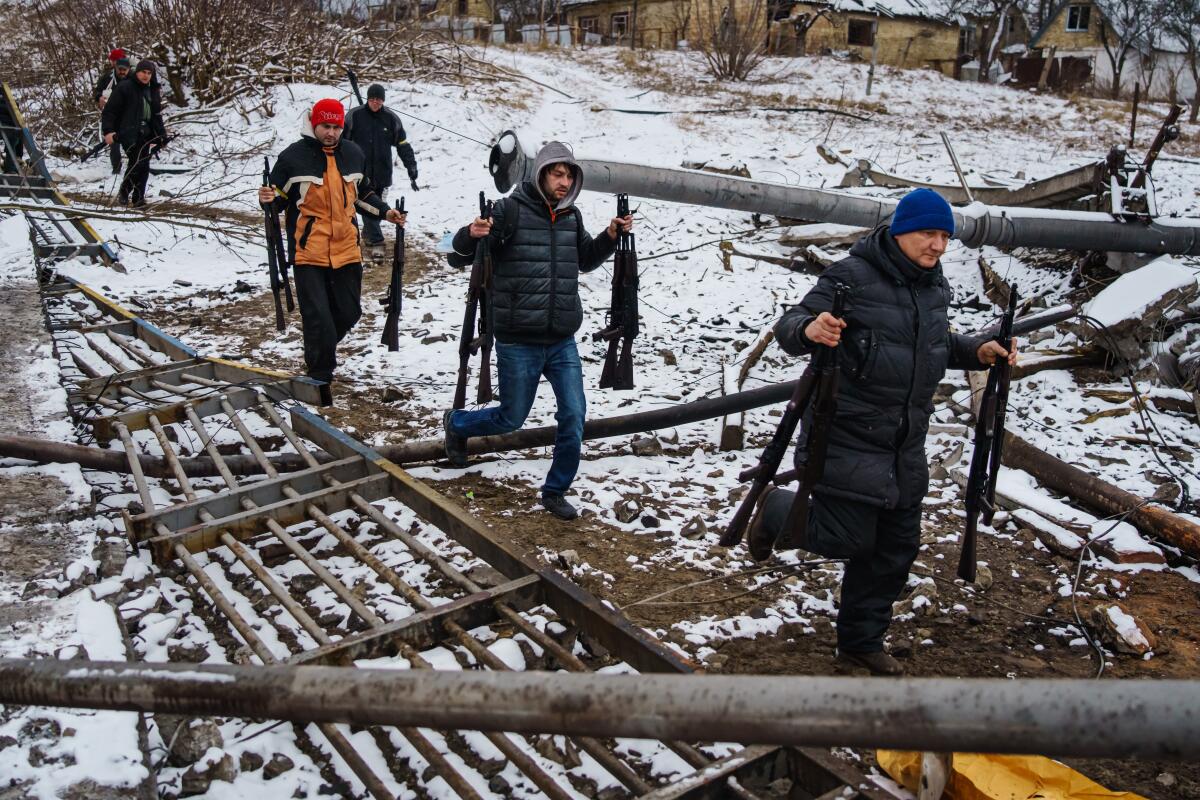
[
  {"x": 878, "y": 663},
  {"x": 759, "y": 536}
]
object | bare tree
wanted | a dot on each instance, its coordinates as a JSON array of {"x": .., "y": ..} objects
[
  {"x": 731, "y": 35},
  {"x": 992, "y": 19},
  {"x": 1124, "y": 25},
  {"x": 1182, "y": 22}
]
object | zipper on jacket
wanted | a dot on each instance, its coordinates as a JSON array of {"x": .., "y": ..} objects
[{"x": 553, "y": 276}]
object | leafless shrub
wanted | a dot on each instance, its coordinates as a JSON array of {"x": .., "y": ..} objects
[
  {"x": 208, "y": 51},
  {"x": 731, "y": 35}
]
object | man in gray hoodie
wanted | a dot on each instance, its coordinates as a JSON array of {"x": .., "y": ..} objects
[{"x": 539, "y": 247}]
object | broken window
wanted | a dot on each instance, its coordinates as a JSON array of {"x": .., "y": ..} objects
[
  {"x": 462, "y": 7},
  {"x": 1078, "y": 17},
  {"x": 861, "y": 32},
  {"x": 589, "y": 24},
  {"x": 966, "y": 39},
  {"x": 619, "y": 25}
]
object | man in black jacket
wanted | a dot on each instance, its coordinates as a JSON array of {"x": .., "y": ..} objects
[
  {"x": 133, "y": 117},
  {"x": 117, "y": 71},
  {"x": 539, "y": 247},
  {"x": 896, "y": 345},
  {"x": 377, "y": 130}
]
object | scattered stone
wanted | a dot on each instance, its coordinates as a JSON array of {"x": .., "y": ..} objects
[
  {"x": 924, "y": 633},
  {"x": 1166, "y": 779},
  {"x": 241, "y": 287},
  {"x": 571, "y": 759},
  {"x": 427, "y": 318},
  {"x": 758, "y": 612},
  {"x": 191, "y": 739},
  {"x": 498, "y": 785},
  {"x": 650, "y": 521},
  {"x": 983, "y": 577},
  {"x": 485, "y": 576},
  {"x": 668, "y": 357},
  {"x": 612, "y": 793},
  {"x": 1123, "y": 631},
  {"x": 278, "y": 765},
  {"x": 181, "y": 282},
  {"x": 780, "y": 788},
  {"x": 197, "y": 781},
  {"x": 111, "y": 555},
  {"x": 546, "y": 749},
  {"x": 627, "y": 510},
  {"x": 902, "y": 649},
  {"x": 716, "y": 473},
  {"x": 304, "y": 582},
  {"x": 394, "y": 394},
  {"x": 7, "y": 742},
  {"x": 695, "y": 529},
  {"x": 491, "y": 767},
  {"x": 716, "y": 662},
  {"x": 569, "y": 558},
  {"x": 441, "y": 337},
  {"x": 1166, "y": 494},
  {"x": 647, "y": 446},
  {"x": 250, "y": 762}
]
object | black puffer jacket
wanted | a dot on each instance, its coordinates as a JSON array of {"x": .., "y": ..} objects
[
  {"x": 536, "y": 266},
  {"x": 895, "y": 349},
  {"x": 125, "y": 113},
  {"x": 377, "y": 133}
]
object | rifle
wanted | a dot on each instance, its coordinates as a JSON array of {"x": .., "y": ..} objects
[
  {"x": 95, "y": 150},
  {"x": 395, "y": 295},
  {"x": 159, "y": 143},
  {"x": 989, "y": 442},
  {"x": 354, "y": 85},
  {"x": 478, "y": 300},
  {"x": 815, "y": 380},
  {"x": 622, "y": 317},
  {"x": 270, "y": 224}
]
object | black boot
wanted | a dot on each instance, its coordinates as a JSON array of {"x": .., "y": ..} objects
[
  {"x": 456, "y": 446},
  {"x": 557, "y": 505},
  {"x": 878, "y": 663}
]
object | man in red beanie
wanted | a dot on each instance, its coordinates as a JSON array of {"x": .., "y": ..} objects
[{"x": 319, "y": 182}]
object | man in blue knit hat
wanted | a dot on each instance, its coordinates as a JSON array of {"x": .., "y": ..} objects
[{"x": 895, "y": 345}]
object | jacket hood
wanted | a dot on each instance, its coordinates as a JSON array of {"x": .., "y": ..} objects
[
  {"x": 557, "y": 153},
  {"x": 879, "y": 248}
]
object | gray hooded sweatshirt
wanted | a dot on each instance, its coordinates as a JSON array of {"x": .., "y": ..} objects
[{"x": 538, "y": 254}]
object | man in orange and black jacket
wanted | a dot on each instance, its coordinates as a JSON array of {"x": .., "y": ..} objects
[{"x": 319, "y": 182}]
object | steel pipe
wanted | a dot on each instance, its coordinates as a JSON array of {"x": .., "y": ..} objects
[
  {"x": 1111, "y": 719},
  {"x": 976, "y": 224}
]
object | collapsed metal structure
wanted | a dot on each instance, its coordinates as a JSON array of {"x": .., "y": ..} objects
[{"x": 976, "y": 225}]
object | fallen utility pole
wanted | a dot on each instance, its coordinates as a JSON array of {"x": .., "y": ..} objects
[
  {"x": 1115, "y": 719},
  {"x": 975, "y": 225}
]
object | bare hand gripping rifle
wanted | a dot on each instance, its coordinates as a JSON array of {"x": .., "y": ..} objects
[
  {"x": 817, "y": 385},
  {"x": 394, "y": 300},
  {"x": 277, "y": 261},
  {"x": 622, "y": 327},
  {"x": 989, "y": 442},
  {"x": 479, "y": 308}
]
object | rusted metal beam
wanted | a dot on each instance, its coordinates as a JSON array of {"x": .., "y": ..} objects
[
  {"x": 1128, "y": 719},
  {"x": 254, "y": 522},
  {"x": 262, "y": 493},
  {"x": 426, "y": 628},
  {"x": 139, "y": 419}
]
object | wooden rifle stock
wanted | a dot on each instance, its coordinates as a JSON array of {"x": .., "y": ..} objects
[
  {"x": 989, "y": 441},
  {"x": 394, "y": 300}
]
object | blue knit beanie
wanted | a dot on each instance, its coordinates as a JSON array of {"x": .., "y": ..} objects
[{"x": 922, "y": 210}]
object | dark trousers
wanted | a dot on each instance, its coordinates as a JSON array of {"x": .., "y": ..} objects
[
  {"x": 137, "y": 172},
  {"x": 881, "y": 544},
  {"x": 372, "y": 230},
  {"x": 114, "y": 157},
  {"x": 519, "y": 370},
  {"x": 329, "y": 306}
]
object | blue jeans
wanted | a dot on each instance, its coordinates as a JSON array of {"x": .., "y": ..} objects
[
  {"x": 372, "y": 232},
  {"x": 519, "y": 369}
]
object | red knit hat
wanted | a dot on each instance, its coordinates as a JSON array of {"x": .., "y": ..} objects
[
  {"x": 115, "y": 54},
  {"x": 328, "y": 112}
]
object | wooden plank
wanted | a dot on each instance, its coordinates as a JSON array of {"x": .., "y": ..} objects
[
  {"x": 426, "y": 629},
  {"x": 249, "y": 524}
]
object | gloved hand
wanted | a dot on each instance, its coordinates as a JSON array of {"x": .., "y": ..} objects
[{"x": 412, "y": 177}]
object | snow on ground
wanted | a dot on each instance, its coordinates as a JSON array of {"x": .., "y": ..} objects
[{"x": 698, "y": 319}]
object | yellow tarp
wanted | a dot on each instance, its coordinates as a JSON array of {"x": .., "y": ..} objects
[{"x": 978, "y": 776}]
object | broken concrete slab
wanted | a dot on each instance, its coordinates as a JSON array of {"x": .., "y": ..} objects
[{"x": 1123, "y": 316}]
